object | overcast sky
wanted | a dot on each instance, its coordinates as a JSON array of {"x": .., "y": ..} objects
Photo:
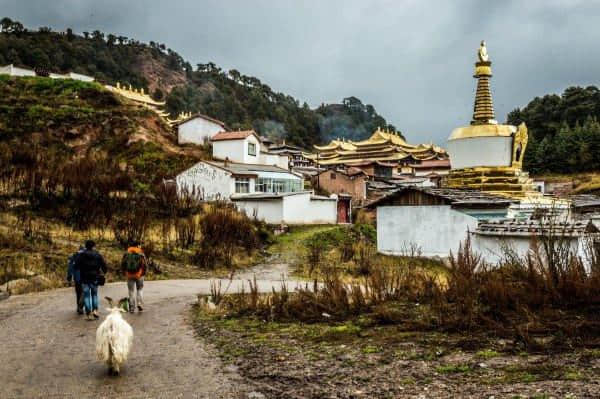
[{"x": 412, "y": 59}]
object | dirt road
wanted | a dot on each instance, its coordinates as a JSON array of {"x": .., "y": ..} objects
[{"x": 47, "y": 350}]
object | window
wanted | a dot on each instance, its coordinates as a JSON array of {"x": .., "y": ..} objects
[
  {"x": 268, "y": 185},
  {"x": 332, "y": 176},
  {"x": 242, "y": 185},
  {"x": 252, "y": 149}
]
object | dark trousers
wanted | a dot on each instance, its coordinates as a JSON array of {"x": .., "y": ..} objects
[{"x": 79, "y": 295}]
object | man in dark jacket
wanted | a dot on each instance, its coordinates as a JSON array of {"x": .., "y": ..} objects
[
  {"x": 75, "y": 276},
  {"x": 91, "y": 266}
]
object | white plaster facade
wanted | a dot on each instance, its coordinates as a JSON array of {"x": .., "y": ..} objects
[
  {"x": 248, "y": 151},
  {"x": 435, "y": 230},
  {"x": 197, "y": 130},
  {"x": 207, "y": 181},
  {"x": 217, "y": 181},
  {"x": 292, "y": 208},
  {"x": 16, "y": 71},
  {"x": 238, "y": 150},
  {"x": 480, "y": 151}
]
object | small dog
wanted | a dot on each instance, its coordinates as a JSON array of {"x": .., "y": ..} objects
[{"x": 114, "y": 337}]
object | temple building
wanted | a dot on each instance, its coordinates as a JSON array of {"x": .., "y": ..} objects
[
  {"x": 382, "y": 146},
  {"x": 485, "y": 155}
]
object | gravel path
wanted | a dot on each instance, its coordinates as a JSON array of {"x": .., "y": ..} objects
[{"x": 47, "y": 350}]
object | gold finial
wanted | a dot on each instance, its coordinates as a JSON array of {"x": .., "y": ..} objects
[
  {"x": 142, "y": 90},
  {"x": 482, "y": 53},
  {"x": 118, "y": 85}
]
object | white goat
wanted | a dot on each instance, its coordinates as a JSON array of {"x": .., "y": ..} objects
[{"x": 114, "y": 337}]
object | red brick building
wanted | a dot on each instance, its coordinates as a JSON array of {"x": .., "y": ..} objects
[{"x": 352, "y": 181}]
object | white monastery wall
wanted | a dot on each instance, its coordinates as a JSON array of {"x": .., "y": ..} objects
[
  {"x": 480, "y": 151},
  {"x": 492, "y": 248},
  {"x": 208, "y": 181},
  {"x": 16, "y": 71},
  {"x": 436, "y": 230},
  {"x": 79, "y": 76},
  {"x": 323, "y": 211},
  {"x": 271, "y": 211},
  {"x": 197, "y": 131}
]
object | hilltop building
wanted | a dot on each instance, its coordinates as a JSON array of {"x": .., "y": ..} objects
[
  {"x": 16, "y": 71},
  {"x": 197, "y": 128},
  {"x": 245, "y": 147},
  {"x": 486, "y": 155}
]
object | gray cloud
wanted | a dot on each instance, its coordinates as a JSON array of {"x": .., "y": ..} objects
[{"x": 411, "y": 59}]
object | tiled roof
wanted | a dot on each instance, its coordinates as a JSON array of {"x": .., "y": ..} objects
[
  {"x": 453, "y": 196},
  {"x": 242, "y": 134},
  {"x": 534, "y": 228},
  {"x": 245, "y": 168}
]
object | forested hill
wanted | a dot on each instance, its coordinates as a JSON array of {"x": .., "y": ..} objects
[
  {"x": 564, "y": 133},
  {"x": 240, "y": 101}
]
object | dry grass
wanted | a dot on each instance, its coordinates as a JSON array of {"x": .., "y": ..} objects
[{"x": 533, "y": 302}]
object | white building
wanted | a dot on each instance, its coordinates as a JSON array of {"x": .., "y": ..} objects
[
  {"x": 16, "y": 71},
  {"x": 245, "y": 147},
  {"x": 72, "y": 75},
  {"x": 493, "y": 239},
  {"x": 288, "y": 208},
  {"x": 213, "y": 180},
  {"x": 198, "y": 129},
  {"x": 433, "y": 219}
]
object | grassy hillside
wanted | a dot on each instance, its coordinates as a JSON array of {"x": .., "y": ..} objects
[
  {"x": 239, "y": 100},
  {"x": 59, "y": 121}
]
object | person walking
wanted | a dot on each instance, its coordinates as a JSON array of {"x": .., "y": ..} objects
[
  {"x": 133, "y": 265},
  {"x": 74, "y": 276},
  {"x": 92, "y": 269}
]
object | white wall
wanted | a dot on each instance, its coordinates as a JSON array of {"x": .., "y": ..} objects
[
  {"x": 291, "y": 209},
  {"x": 480, "y": 151},
  {"x": 209, "y": 181},
  {"x": 237, "y": 150},
  {"x": 78, "y": 76},
  {"x": 322, "y": 211},
  {"x": 280, "y": 160},
  {"x": 15, "y": 71},
  {"x": 197, "y": 131},
  {"x": 436, "y": 230},
  {"x": 492, "y": 248},
  {"x": 271, "y": 211}
]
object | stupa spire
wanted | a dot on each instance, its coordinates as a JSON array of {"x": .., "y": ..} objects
[{"x": 483, "y": 111}]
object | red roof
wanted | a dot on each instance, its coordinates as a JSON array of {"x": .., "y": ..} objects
[
  {"x": 434, "y": 163},
  {"x": 233, "y": 135}
]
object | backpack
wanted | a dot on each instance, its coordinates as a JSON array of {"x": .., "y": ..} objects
[{"x": 133, "y": 262}]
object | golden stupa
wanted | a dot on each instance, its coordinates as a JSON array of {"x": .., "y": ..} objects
[{"x": 485, "y": 155}]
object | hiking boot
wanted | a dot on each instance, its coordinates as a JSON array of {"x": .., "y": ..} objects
[
  {"x": 95, "y": 314},
  {"x": 79, "y": 311},
  {"x": 140, "y": 308},
  {"x": 89, "y": 317}
]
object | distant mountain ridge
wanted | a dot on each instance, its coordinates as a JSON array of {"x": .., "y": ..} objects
[{"x": 240, "y": 101}]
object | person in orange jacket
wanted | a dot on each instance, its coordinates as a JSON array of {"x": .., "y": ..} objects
[{"x": 133, "y": 265}]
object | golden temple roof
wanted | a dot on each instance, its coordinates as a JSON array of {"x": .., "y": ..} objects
[{"x": 381, "y": 146}]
